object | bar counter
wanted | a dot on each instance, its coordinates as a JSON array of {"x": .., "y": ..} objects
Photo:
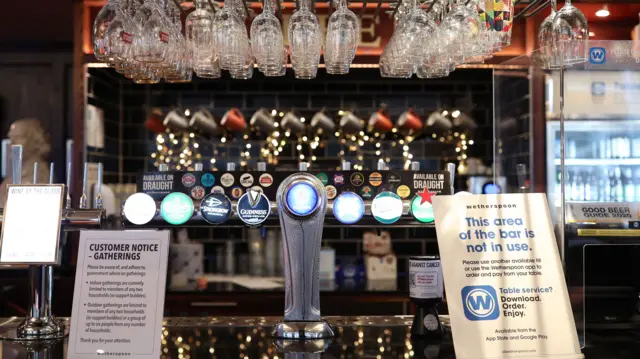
[{"x": 356, "y": 337}]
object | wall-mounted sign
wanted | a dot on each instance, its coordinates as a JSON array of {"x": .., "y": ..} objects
[
  {"x": 140, "y": 208},
  {"x": 348, "y": 208},
  {"x": 176, "y": 208},
  {"x": 386, "y": 207},
  {"x": 31, "y": 224},
  {"x": 302, "y": 199}
]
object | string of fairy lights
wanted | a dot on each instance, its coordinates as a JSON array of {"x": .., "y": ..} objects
[{"x": 182, "y": 150}]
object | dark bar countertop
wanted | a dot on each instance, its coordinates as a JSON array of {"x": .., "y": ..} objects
[{"x": 357, "y": 337}]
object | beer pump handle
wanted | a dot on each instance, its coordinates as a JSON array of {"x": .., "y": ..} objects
[
  {"x": 451, "y": 168},
  {"x": 98, "y": 201},
  {"x": 16, "y": 164},
  {"x": 35, "y": 172},
  {"x": 521, "y": 169},
  {"x": 51, "y": 170},
  {"x": 83, "y": 198},
  {"x": 68, "y": 199}
]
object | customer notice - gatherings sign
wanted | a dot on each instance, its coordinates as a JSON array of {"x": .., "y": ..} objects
[{"x": 503, "y": 278}]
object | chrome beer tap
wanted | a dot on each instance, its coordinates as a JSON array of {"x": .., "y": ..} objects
[
  {"x": 98, "y": 201},
  {"x": 302, "y": 201},
  {"x": 451, "y": 168},
  {"x": 83, "y": 199}
]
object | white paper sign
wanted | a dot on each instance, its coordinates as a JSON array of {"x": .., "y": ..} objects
[
  {"x": 118, "y": 298},
  {"x": 505, "y": 287},
  {"x": 31, "y": 224}
]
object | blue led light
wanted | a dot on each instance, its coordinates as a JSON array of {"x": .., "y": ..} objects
[
  {"x": 348, "y": 208},
  {"x": 302, "y": 199}
]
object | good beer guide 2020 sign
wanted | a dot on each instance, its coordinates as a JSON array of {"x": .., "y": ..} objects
[{"x": 504, "y": 282}]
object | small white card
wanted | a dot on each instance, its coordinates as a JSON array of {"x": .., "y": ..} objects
[
  {"x": 118, "y": 298},
  {"x": 31, "y": 224}
]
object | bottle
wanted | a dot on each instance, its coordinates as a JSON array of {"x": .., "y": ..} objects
[
  {"x": 635, "y": 147},
  {"x": 425, "y": 291},
  {"x": 629, "y": 188},
  {"x": 580, "y": 186},
  {"x": 617, "y": 191},
  {"x": 604, "y": 186},
  {"x": 591, "y": 187},
  {"x": 636, "y": 181},
  {"x": 558, "y": 188}
]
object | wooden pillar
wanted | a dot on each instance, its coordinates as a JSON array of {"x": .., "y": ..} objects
[{"x": 78, "y": 110}]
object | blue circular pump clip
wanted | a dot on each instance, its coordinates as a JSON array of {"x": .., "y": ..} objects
[{"x": 302, "y": 199}]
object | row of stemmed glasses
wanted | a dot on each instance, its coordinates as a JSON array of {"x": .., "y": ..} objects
[
  {"x": 144, "y": 42},
  {"x": 563, "y": 37},
  {"x": 432, "y": 43}
]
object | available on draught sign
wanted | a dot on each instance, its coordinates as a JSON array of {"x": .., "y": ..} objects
[{"x": 504, "y": 282}]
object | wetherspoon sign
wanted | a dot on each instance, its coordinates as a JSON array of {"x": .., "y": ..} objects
[{"x": 505, "y": 287}]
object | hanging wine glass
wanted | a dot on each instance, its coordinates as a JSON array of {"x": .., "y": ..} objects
[
  {"x": 267, "y": 42},
  {"x": 101, "y": 48},
  {"x": 199, "y": 34},
  {"x": 571, "y": 34},
  {"x": 305, "y": 41},
  {"x": 152, "y": 42},
  {"x": 120, "y": 38},
  {"x": 341, "y": 43}
]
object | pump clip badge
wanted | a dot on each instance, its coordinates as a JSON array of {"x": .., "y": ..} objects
[{"x": 253, "y": 207}]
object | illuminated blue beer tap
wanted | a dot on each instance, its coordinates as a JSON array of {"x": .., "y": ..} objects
[{"x": 302, "y": 202}]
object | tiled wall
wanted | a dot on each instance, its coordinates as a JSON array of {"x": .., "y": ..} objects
[{"x": 129, "y": 144}]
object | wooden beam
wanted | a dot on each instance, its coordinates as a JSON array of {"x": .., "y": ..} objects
[{"x": 79, "y": 21}]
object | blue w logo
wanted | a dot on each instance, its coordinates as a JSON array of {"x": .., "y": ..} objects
[
  {"x": 480, "y": 302},
  {"x": 598, "y": 55}
]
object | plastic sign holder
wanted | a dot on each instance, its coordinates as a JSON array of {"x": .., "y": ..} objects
[
  {"x": 40, "y": 324},
  {"x": 21, "y": 242},
  {"x": 505, "y": 286}
]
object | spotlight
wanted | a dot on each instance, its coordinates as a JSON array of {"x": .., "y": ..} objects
[{"x": 604, "y": 12}]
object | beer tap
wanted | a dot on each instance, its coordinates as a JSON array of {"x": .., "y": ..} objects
[
  {"x": 451, "y": 168},
  {"x": 302, "y": 201},
  {"x": 521, "y": 169},
  {"x": 98, "y": 201},
  {"x": 51, "y": 174},
  {"x": 68, "y": 199},
  {"x": 83, "y": 198}
]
